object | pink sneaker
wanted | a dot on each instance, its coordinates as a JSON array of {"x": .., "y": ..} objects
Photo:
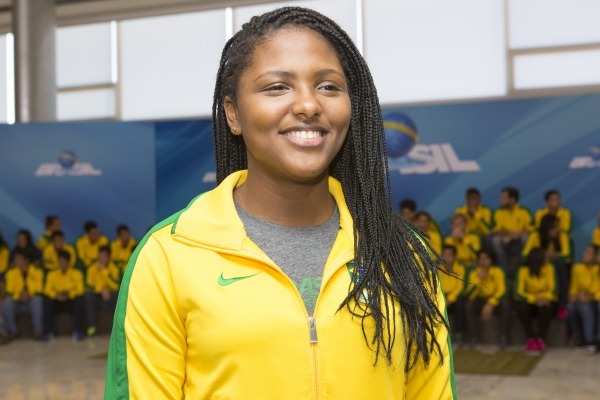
[
  {"x": 562, "y": 313},
  {"x": 540, "y": 344},
  {"x": 531, "y": 345}
]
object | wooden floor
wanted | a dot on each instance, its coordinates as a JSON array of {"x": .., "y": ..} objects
[{"x": 65, "y": 370}]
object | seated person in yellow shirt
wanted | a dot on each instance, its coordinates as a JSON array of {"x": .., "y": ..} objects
[
  {"x": 582, "y": 290},
  {"x": 553, "y": 207},
  {"x": 423, "y": 221},
  {"x": 535, "y": 291},
  {"x": 87, "y": 245},
  {"x": 485, "y": 293},
  {"x": 122, "y": 247},
  {"x": 512, "y": 225},
  {"x": 467, "y": 244},
  {"x": 452, "y": 278},
  {"x": 479, "y": 217},
  {"x": 23, "y": 294},
  {"x": 64, "y": 292},
  {"x": 50, "y": 254},
  {"x": 102, "y": 283},
  {"x": 53, "y": 224},
  {"x": 557, "y": 247}
]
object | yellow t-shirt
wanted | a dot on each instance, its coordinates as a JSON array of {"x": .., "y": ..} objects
[
  {"x": 466, "y": 249},
  {"x": 529, "y": 287},
  {"x": 534, "y": 241},
  {"x": 491, "y": 287},
  {"x": 517, "y": 219},
  {"x": 88, "y": 251},
  {"x": 4, "y": 255},
  {"x": 563, "y": 215},
  {"x": 120, "y": 254},
  {"x": 479, "y": 223},
  {"x": 50, "y": 256},
  {"x": 454, "y": 284},
  {"x": 584, "y": 278},
  {"x": 98, "y": 279},
  {"x": 15, "y": 282},
  {"x": 71, "y": 282}
]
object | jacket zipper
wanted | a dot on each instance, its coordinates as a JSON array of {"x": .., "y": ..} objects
[{"x": 312, "y": 323}]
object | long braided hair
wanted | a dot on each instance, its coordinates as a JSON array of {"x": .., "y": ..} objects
[{"x": 393, "y": 265}]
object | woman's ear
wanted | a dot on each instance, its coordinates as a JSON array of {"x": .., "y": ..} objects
[{"x": 232, "y": 116}]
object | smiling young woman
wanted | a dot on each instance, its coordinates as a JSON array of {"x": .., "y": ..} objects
[{"x": 294, "y": 278}]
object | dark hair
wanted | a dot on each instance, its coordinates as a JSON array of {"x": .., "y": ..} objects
[
  {"x": 550, "y": 193},
  {"x": 535, "y": 260},
  {"x": 64, "y": 254},
  {"x": 22, "y": 252},
  {"x": 450, "y": 247},
  {"x": 58, "y": 234},
  {"x": 473, "y": 190},
  {"x": 104, "y": 249},
  {"x": 548, "y": 222},
  {"x": 89, "y": 225},
  {"x": 3, "y": 243},
  {"x": 50, "y": 220},
  {"x": 391, "y": 262},
  {"x": 122, "y": 228},
  {"x": 408, "y": 203},
  {"x": 490, "y": 253},
  {"x": 27, "y": 235},
  {"x": 512, "y": 192}
]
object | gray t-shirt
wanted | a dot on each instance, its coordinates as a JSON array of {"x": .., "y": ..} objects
[{"x": 300, "y": 252}]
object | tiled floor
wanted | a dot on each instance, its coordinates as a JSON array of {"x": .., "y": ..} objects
[{"x": 65, "y": 370}]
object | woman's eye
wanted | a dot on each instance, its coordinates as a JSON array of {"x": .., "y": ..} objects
[
  {"x": 330, "y": 87},
  {"x": 276, "y": 88}
]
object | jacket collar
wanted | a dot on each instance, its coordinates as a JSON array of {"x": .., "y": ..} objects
[{"x": 212, "y": 220}]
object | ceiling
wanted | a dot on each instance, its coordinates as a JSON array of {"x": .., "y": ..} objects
[{"x": 74, "y": 12}]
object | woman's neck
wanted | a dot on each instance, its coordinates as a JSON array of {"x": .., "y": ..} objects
[{"x": 286, "y": 203}]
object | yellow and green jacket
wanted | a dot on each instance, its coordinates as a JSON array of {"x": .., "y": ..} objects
[
  {"x": 435, "y": 239},
  {"x": 528, "y": 287},
  {"x": 4, "y": 256},
  {"x": 71, "y": 282},
  {"x": 45, "y": 240},
  {"x": 203, "y": 313},
  {"x": 88, "y": 251},
  {"x": 563, "y": 215},
  {"x": 97, "y": 279},
  {"x": 466, "y": 248},
  {"x": 481, "y": 222},
  {"x": 517, "y": 219},
  {"x": 50, "y": 256},
  {"x": 453, "y": 284},
  {"x": 492, "y": 288},
  {"x": 584, "y": 279},
  {"x": 15, "y": 282},
  {"x": 120, "y": 254},
  {"x": 534, "y": 240}
]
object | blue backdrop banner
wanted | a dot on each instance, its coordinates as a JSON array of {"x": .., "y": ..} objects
[
  {"x": 532, "y": 144},
  {"x": 79, "y": 171}
]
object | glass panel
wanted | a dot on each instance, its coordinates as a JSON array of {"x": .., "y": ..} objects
[
  {"x": 456, "y": 52},
  {"x": 341, "y": 11},
  {"x": 169, "y": 64},
  {"x": 543, "y": 23},
  {"x": 83, "y": 55},
  {"x": 572, "y": 68},
  {"x": 86, "y": 104}
]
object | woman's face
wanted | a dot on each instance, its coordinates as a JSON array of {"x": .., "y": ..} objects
[
  {"x": 588, "y": 255},
  {"x": 484, "y": 260},
  {"x": 292, "y": 107},
  {"x": 21, "y": 240}
]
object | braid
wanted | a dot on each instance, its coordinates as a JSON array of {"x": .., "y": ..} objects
[{"x": 393, "y": 265}]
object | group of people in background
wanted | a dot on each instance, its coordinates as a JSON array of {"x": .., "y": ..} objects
[
  {"x": 495, "y": 263},
  {"x": 53, "y": 276},
  {"x": 507, "y": 261}
]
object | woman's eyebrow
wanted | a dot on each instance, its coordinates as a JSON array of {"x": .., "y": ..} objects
[{"x": 291, "y": 75}]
